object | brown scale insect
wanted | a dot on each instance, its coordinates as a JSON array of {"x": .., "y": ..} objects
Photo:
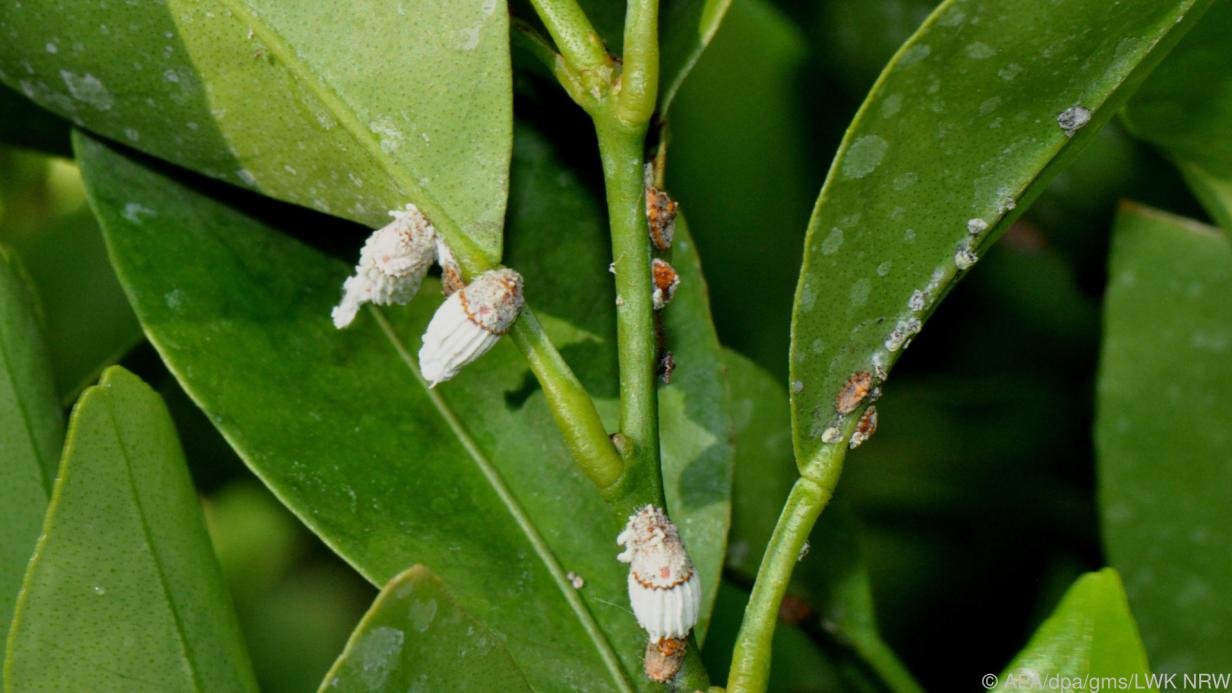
[
  {"x": 794, "y": 610},
  {"x": 854, "y": 392},
  {"x": 663, "y": 658},
  {"x": 667, "y": 365},
  {"x": 665, "y": 281},
  {"x": 661, "y": 214},
  {"x": 865, "y": 428}
]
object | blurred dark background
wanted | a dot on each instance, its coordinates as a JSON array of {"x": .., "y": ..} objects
[{"x": 976, "y": 498}]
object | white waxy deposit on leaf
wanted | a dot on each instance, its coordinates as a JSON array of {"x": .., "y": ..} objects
[{"x": 1073, "y": 119}]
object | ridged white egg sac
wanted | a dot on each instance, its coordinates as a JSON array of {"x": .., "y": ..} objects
[
  {"x": 469, "y": 322},
  {"x": 665, "y": 280},
  {"x": 392, "y": 265},
  {"x": 664, "y": 589}
]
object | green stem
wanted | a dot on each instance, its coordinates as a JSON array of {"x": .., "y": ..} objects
[
  {"x": 639, "y": 82},
  {"x": 577, "y": 41},
  {"x": 750, "y": 668},
  {"x": 525, "y": 36},
  {"x": 620, "y": 147},
  {"x": 882, "y": 660},
  {"x": 571, "y": 406}
]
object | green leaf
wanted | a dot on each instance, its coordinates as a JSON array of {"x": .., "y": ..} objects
[
  {"x": 858, "y": 37},
  {"x": 831, "y": 581},
  {"x": 472, "y": 477},
  {"x": 25, "y": 125},
  {"x": 1164, "y": 400},
  {"x": 261, "y": 548},
  {"x": 31, "y": 430},
  {"x": 349, "y": 109},
  {"x": 1091, "y": 634},
  {"x": 88, "y": 321},
  {"x": 124, "y": 591},
  {"x": 741, "y": 167},
  {"x": 685, "y": 29},
  {"x": 961, "y": 129},
  {"x": 1185, "y": 107},
  {"x": 688, "y": 27},
  {"x": 417, "y": 637}
]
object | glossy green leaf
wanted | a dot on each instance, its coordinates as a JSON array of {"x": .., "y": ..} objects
[
  {"x": 31, "y": 430},
  {"x": 685, "y": 29},
  {"x": 1091, "y": 634},
  {"x": 349, "y": 109},
  {"x": 963, "y": 128},
  {"x": 417, "y": 637},
  {"x": 124, "y": 591},
  {"x": 25, "y": 125},
  {"x": 1165, "y": 459},
  {"x": 831, "y": 581},
  {"x": 472, "y": 477},
  {"x": 1185, "y": 108}
]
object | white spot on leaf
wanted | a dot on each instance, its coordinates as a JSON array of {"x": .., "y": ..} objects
[{"x": 864, "y": 156}]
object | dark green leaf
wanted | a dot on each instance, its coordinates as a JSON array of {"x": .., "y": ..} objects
[
  {"x": 688, "y": 26},
  {"x": 1091, "y": 634},
  {"x": 1165, "y": 461},
  {"x": 831, "y": 581},
  {"x": 124, "y": 591},
  {"x": 1185, "y": 108},
  {"x": 31, "y": 430},
  {"x": 349, "y": 109},
  {"x": 963, "y": 127},
  {"x": 89, "y": 323},
  {"x": 471, "y": 477},
  {"x": 740, "y": 167},
  {"x": 25, "y": 125},
  {"x": 858, "y": 37},
  {"x": 416, "y": 637}
]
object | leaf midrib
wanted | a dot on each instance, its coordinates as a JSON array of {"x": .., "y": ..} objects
[
  {"x": 181, "y": 636},
  {"x": 524, "y": 523},
  {"x": 338, "y": 108},
  {"x": 22, "y": 408}
]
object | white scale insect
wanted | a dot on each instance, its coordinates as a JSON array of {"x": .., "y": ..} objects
[
  {"x": 664, "y": 588},
  {"x": 392, "y": 265}
]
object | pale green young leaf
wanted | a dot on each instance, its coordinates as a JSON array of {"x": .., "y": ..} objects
[
  {"x": 124, "y": 591},
  {"x": 1164, "y": 399},
  {"x": 1090, "y": 635},
  {"x": 351, "y": 109},
  {"x": 31, "y": 430}
]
